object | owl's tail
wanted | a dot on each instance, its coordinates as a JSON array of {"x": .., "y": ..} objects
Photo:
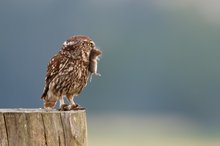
[
  {"x": 43, "y": 96},
  {"x": 44, "y": 93}
]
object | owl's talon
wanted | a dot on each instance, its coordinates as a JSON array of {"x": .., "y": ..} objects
[
  {"x": 76, "y": 107},
  {"x": 81, "y": 108},
  {"x": 64, "y": 107}
]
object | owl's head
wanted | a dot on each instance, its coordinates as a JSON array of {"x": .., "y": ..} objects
[
  {"x": 78, "y": 46},
  {"x": 79, "y": 40}
]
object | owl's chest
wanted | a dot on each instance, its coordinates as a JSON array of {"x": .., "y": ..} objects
[
  {"x": 77, "y": 70},
  {"x": 78, "y": 76}
]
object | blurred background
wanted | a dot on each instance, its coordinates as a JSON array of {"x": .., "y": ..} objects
[{"x": 160, "y": 82}]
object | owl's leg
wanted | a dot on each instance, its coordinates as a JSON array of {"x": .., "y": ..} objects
[
  {"x": 72, "y": 102},
  {"x": 74, "y": 106},
  {"x": 63, "y": 106}
]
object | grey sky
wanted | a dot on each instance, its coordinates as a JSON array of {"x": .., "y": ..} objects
[{"x": 157, "y": 56}]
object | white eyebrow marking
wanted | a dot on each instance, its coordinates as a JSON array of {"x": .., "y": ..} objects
[
  {"x": 65, "y": 43},
  {"x": 68, "y": 44}
]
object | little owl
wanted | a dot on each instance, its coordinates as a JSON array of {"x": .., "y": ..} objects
[{"x": 69, "y": 70}]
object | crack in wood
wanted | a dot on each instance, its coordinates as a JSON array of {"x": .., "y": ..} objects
[
  {"x": 45, "y": 136},
  {"x": 6, "y": 129},
  {"x": 61, "y": 119}
]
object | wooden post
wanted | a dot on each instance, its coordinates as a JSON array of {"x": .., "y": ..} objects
[{"x": 39, "y": 127}]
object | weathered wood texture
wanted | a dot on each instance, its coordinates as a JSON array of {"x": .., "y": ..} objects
[{"x": 39, "y": 127}]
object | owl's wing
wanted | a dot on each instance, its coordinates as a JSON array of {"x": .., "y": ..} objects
[
  {"x": 57, "y": 62},
  {"x": 55, "y": 65}
]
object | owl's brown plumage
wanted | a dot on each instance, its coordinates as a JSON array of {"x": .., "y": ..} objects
[{"x": 68, "y": 71}]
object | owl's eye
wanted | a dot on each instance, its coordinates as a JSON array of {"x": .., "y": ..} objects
[{"x": 91, "y": 44}]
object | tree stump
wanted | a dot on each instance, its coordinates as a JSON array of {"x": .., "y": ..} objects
[{"x": 40, "y": 127}]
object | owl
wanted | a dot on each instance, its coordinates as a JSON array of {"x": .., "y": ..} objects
[{"x": 68, "y": 72}]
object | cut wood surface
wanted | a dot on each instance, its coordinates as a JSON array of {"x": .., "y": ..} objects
[{"x": 40, "y": 127}]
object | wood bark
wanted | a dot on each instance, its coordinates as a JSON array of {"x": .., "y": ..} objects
[{"x": 39, "y": 127}]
